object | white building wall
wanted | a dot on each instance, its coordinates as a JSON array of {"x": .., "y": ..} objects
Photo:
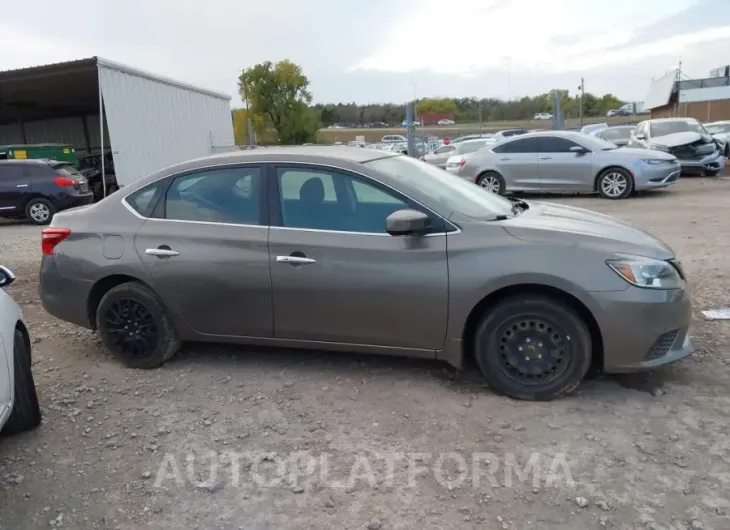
[
  {"x": 156, "y": 122},
  {"x": 716, "y": 93}
]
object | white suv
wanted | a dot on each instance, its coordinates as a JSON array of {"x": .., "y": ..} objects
[{"x": 19, "y": 410}]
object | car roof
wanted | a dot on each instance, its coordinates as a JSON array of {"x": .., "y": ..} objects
[{"x": 688, "y": 118}]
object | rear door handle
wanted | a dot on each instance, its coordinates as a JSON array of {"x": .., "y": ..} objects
[
  {"x": 295, "y": 260},
  {"x": 505, "y": 158},
  {"x": 546, "y": 158},
  {"x": 161, "y": 252},
  {"x": 21, "y": 186}
]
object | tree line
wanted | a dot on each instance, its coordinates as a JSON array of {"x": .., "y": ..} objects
[{"x": 281, "y": 109}]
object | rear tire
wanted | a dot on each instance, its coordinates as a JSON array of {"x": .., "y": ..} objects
[
  {"x": 40, "y": 211},
  {"x": 493, "y": 182},
  {"x": 615, "y": 183},
  {"x": 26, "y": 412},
  {"x": 532, "y": 347},
  {"x": 135, "y": 327}
]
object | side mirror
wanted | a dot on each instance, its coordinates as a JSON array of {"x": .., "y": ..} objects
[
  {"x": 406, "y": 223},
  {"x": 6, "y": 276},
  {"x": 578, "y": 149}
]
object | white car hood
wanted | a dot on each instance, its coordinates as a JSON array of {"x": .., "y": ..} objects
[{"x": 676, "y": 139}]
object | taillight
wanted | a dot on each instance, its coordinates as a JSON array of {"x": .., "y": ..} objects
[
  {"x": 462, "y": 162},
  {"x": 50, "y": 237},
  {"x": 64, "y": 182}
]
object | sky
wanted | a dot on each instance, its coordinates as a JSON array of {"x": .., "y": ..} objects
[{"x": 377, "y": 51}]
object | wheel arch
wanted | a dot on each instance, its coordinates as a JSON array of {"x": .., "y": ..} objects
[
  {"x": 478, "y": 311},
  {"x": 103, "y": 286},
  {"x": 608, "y": 168}
]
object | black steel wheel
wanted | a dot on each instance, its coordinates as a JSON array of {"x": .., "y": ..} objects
[
  {"x": 26, "y": 413},
  {"x": 532, "y": 347},
  {"x": 135, "y": 327}
]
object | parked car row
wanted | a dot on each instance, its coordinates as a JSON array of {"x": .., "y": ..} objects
[{"x": 256, "y": 236}]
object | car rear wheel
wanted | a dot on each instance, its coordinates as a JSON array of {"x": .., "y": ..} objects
[
  {"x": 40, "y": 211},
  {"x": 135, "y": 327},
  {"x": 615, "y": 183},
  {"x": 492, "y": 181},
  {"x": 532, "y": 347},
  {"x": 26, "y": 412}
]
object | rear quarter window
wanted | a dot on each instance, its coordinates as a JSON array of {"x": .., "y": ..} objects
[{"x": 144, "y": 200}]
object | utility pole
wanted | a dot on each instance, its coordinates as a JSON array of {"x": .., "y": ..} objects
[
  {"x": 480, "y": 116},
  {"x": 409, "y": 128},
  {"x": 677, "y": 81},
  {"x": 582, "y": 89}
]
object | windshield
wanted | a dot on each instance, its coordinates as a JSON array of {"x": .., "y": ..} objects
[
  {"x": 618, "y": 133},
  {"x": 594, "y": 143},
  {"x": 452, "y": 193},
  {"x": 718, "y": 128},
  {"x": 663, "y": 128}
]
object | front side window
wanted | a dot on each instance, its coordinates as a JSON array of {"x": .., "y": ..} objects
[
  {"x": 230, "y": 195},
  {"x": 324, "y": 199}
]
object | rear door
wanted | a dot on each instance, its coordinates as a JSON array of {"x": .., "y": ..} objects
[
  {"x": 339, "y": 277},
  {"x": 14, "y": 187},
  {"x": 516, "y": 161},
  {"x": 206, "y": 249},
  {"x": 562, "y": 169}
]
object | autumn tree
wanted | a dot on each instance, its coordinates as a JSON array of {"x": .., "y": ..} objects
[{"x": 279, "y": 94}]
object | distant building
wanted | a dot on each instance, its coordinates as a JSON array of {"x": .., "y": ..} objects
[
  {"x": 705, "y": 99},
  {"x": 432, "y": 118}
]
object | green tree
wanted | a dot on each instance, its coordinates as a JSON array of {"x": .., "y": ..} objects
[{"x": 279, "y": 93}]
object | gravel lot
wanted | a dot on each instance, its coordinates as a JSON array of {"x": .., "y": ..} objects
[{"x": 643, "y": 451}]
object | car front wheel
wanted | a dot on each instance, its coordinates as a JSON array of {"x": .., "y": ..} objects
[
  {"x": 615, "y": 183},
  {"x": 135, "y": 327},
  {"x": 26, "y": 412},
  {"x": 532, "y": 347}
]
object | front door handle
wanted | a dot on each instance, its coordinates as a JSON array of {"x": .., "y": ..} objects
[
  {"x": 504, "y": 159},
  {"x": 21, "y": 186},
  {"x": 163, "y": 251},
  {"x": 295, "y": 260},
  {"x": 546, "y": 158}
]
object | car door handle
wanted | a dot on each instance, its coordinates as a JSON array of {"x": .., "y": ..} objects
[
  {"x": 546, "y": 158},
  {"x": 295, "y": 260},
  {"x": 21, "y": 186},
  {"x": 161, "y": 252},
  {"x": 505, "y": 158}
]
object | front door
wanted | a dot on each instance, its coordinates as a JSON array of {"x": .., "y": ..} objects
[
  {"x": 339, "y": 277},
  {"x": 206, "y": 250},
  {"x": 562, "y": 169}
]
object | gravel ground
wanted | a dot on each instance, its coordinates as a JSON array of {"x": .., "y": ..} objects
[{"x": 116, "y": 445}]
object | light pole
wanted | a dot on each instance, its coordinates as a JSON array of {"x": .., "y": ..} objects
[{"x": 582, "y": 89}]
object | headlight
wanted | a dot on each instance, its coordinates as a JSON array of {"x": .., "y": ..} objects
[
  {"x": 647, "y": 272},
  {"x": 660, "y": 147},
  {"x": 655, "y": 161}
]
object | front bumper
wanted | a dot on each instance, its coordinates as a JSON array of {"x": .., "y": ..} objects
[
  {"x": 643, "y": 328},
  {"x": 712, "y": 162},
  {"x": 652, "y": 177}
]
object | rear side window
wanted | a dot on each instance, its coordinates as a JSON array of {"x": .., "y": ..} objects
[
  {"x": 66, "y": 170},
  {"x": 143, "y": 200},
  {"x": 524, "y": 145},
  {"x": 555, "y": 144},
  {"x": 10, "y": 172}
]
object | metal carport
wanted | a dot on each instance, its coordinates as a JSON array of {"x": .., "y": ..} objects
[{"x": 149, "y": 121}]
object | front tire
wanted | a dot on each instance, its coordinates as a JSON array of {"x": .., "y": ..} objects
[
  {"x": 40, "y": 211},
  {"x": 615, "y": 183},
  {"x": 532, "y": 347},
  {"x": 26, "y": 412},
  {"x": 493, "y": 182},
  {"x": 135, "y": 327}
]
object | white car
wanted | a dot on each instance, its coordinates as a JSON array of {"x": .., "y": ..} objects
[
  {"x": 446, "y": 122},
  {"x": 19, "y": 409},
  {"x": 721, "y": 131},
  {"x": 543, "y": 116},
  {"x": 456, "y": 160},
  {"x": 393, "y": 138}
]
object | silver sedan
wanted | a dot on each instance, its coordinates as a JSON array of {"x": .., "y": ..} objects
[{"x": 566, "y": 161}]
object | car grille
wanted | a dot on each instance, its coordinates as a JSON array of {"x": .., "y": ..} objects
[{"x": 662, "y": 345}]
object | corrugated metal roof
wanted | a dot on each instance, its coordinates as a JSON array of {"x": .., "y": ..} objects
[{"x": 92, "y": 62}]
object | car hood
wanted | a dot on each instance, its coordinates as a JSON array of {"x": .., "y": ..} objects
[
  {"x": 545, "y": 222},
  {"x": 676, "y": 139}
]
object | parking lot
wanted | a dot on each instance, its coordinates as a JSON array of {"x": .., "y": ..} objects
[{"x": 639, "y": 451}]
